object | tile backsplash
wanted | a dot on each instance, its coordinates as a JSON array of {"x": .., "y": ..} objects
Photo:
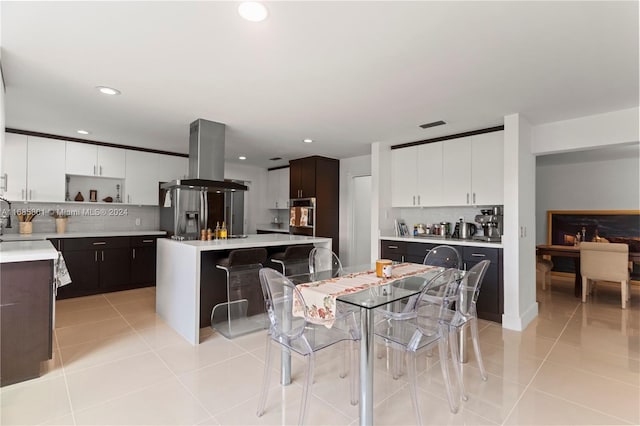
[{"x": 86, "y": 217}]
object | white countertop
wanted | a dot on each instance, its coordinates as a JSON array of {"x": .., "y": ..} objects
[
  {"x": 262, "y": 240},
  {"x": 448, "y": 241},
  {"x": 26, "y": 251},
  {"x": 40, "y": 236}
]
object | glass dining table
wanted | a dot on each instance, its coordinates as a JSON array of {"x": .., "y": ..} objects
[{"x": 367, "y": 301}]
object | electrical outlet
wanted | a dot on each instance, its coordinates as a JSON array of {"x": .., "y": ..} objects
[{"x": 137, "y": 221}]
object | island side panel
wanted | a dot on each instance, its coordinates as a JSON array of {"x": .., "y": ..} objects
[{"x": 178, "y": 288}]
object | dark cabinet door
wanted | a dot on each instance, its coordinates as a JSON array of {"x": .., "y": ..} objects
[
  {"x": 143, "y": 266},
  {"x": 490, "y": 301},
  {"x": 302, "y": 178},
  {"x": 115, "y": 267},
  {"x": 84, "y": 270},
  {"x": 393, "y": 250}
]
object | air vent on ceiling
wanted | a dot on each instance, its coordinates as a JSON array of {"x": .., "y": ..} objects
[
  {"x": 434, "y": 124},
  {"x": 275, "y": 158}
]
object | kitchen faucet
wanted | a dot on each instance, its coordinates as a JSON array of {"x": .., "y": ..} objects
[{"x": 3, "y": 216}]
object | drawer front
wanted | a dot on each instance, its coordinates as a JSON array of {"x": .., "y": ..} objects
[
  {"x": 419, "y": 249},
  {"x": 476, "y": 254},
  {"x": 143, "y": 241},
  {"x": 394, "y": 250},
  {"x": 95, "y": 243}
]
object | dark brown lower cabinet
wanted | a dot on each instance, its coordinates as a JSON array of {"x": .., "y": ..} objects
[
  {"x": 490, "y": 303},
  {"x": 100, "y": 265},
  {"x": 26, "y": 300}
]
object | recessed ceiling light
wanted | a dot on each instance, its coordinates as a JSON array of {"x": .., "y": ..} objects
[
  {"x": 83, "y": 132},
  {"x": 242, "y": 157},
  {"x": 108, "y": 90},
  {"x": 307, "y": 140},
  {"x": 253, "y": 11}
]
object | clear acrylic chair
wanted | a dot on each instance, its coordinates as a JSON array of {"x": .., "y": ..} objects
[
  {"x": 322, "y": 259},
  {"x": 422, "y": 329},
  {"x": 445, "y": 256},
  {"x": 465, "y": 311},
  {"x": 299, "y": 335}
]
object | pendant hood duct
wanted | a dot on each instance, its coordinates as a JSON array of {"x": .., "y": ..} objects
[{"x": 206, "y": 159}]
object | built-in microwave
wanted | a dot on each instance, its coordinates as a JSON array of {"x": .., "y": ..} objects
[{"x": 302, "y": 216}]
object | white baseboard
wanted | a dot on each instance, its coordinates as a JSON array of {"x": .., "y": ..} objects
[{"x": 519, "y": 323}]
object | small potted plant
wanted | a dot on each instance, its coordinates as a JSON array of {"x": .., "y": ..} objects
[{"x": 61, "y": 220}]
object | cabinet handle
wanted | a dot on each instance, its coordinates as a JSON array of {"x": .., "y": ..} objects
[
  {"x": 99, "y": 243},
  {"x": 418, "y": 200},
  {"x": 94, "y": 169},
  {"x": 467, "y": 198},
  {"x": 392, "y": 247},
  {"x": 95, "y": 256},
  {"x": 22, "y": 194},
  {"x": 478, "y": 255},
  {"x": 128, "y": 198},
  {"x": 414, "y": 200},
  {"x": 6, "y": 182},
  {"x": 147, "y": 241},
  {"x": 100, "y": 170},
  {"x": 402, "y": 258},
  {"x": 276, "y": 204},
  {"x": 102, "y": 255},
  {"x": 134, "y": 253},
  {"x": 474, "y": 198},
  {"x": 30, "y": 195}
]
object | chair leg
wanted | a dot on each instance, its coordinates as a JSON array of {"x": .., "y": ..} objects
[
  {"x": 412, "y": 372},
  {"x": 623, "y": 292},
  {"x": 444, "y": 365},
  {"x": 476, "y": 347},
  {"x": 456, "y": 361},
  {"x": 585, "y": 286},
  {"x": 306, "y": 392},
  {"x": 265, "y": 381},
  {"x": 548, "y": 278},
  {"x": 345, "y": 361}
]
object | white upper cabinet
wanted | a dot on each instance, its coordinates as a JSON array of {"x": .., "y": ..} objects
[
  {"x": 456, "y": 172},
  {"x": 34, "y": 168},
  {"x": 416, "y": 178},
  {"x": 45, "y": 169},
  {"x": 94, "y": 160},
  {"x": 14, "y": 161},
  {"x": 145, "y": 171},
  {"x": 278, "y": 188},
  {"x": 473, "y": 171},
  {"x": 487, "y": 168}
]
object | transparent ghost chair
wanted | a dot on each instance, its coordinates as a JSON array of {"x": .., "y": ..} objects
[
  {"x": 298, "y": 334},
  {"x": 324, "y": 262},
  {"x": 421, "y": 328}
]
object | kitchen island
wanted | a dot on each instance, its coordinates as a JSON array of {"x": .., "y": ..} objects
[
  {"x": 26, "y": 308},
  {"x": 188, "y": 284}
]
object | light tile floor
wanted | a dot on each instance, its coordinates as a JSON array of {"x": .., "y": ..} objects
[{"x": 116, "y": 362}]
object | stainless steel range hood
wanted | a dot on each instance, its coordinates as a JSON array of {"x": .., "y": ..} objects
[{"x": 206, "y": 160}]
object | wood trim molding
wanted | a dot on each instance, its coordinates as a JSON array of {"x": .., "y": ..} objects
[
  {"x": 278, "y": 168},
  {"x": 87, "y": 141},
  {"x": 444, "y": 138}
]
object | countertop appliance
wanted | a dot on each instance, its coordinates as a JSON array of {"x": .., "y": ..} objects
[
  {"x": 302, "y": 216},
  {"x": 491, "y": 225},
  {"x": 464, "y": 230},
  {"x": 204, "y": 198}
]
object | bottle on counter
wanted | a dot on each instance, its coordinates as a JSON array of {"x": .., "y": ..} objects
[
  {"x": 584, "y": 234},
  {"x": 223, "y": 231},
  {"x": 203, "y": 234},
  {"x": 216, "y": 234},
  {"x": 209, "y": 234}
]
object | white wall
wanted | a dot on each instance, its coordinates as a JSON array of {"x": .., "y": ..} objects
[
  {"x": 610, "y": 128},
  {"x": 599, "y": 179},
  {"x": 349, "y": 168},
  {"x": 381, "y": 211},
  {"x": 520, "y": 306},
  {"x": 255, "y": 199}
]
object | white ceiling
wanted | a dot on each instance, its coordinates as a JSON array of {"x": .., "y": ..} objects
[{"x": 345, "y": 74}]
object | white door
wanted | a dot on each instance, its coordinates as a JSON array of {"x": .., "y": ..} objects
[
  {"x": 283, "y": 190},
  {"x": 404, "y": 177},
  {"x": 430, "y": 174},
  {"x": 273, "y": 188},
  {"x": 81, "y": 159},
  {"x": 45, "y": 169},
  {"x": 141, "y": 181},
  {"x": 111, "y": 162},
  {"x": 456, "y": 172},
  {"x": 487, "y": 170},
  {"x": 14, "y": 161},
  {"x": 361, "y": 221}
]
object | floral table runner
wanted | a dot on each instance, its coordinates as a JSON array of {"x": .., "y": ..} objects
[{"x": 320, "y": 296}]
